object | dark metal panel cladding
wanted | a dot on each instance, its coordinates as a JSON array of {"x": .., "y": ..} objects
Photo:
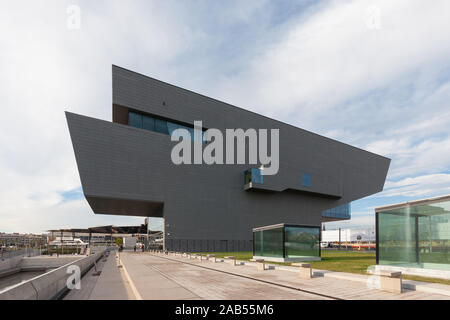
[{"x": 201, "y": 202}]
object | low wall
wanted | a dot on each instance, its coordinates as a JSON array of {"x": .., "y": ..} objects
[
  {"x": 38, "y": 263},
  {"x": 10, "y": 266},
  {"x": 46, "y": 262},
  {"x": 429, "y": 273},
  {"x": 50, "y": 285}
]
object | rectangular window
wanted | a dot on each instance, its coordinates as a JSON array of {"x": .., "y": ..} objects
[
  {"x": 397, "y": 239},
  {"x": 306, "y": 180},
  {"x": 253, "y": 175},
  {"x": 135, "y": 120},
  {"x": 257, "y": 176},
  {"x": 302, "y": 242},
  {"x": 161, "y": 126},
  {"x": 415, "y": 236},
  {"x": 259, "y": 243},
  {"x": 272, "y": 242},
  {"x": 148, "y": 123},
  {"x": 341, "y": 212}
]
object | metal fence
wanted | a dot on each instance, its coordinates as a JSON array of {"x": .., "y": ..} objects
[{"x": 27, "y": 252}]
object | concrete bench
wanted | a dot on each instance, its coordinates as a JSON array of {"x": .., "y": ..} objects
[
  {"x": 211, "y": 257},
  {"x": 204, "y": 257},
  {"x": 260, "y": 264},
  {"x": 390, "y": 281},
  {"x": 231, "y": 259},
  {"x": 305, "y": 270}
]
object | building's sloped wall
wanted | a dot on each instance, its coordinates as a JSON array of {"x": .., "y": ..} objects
[
  {"x": 201, "y": 202},
  {"x": 337, "y": 169}
]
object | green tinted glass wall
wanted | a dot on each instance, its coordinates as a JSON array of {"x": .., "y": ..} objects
[
  {"x": 287, "y": 241},
  {"x": 302, "y": 242},
  {"x": 434, "y": 241},
  {"x": 268, "y": 243},
  {"x": 272, "y": 242},
  {"x": 396, "y": 239},
  {"x": 416, "y": 236},
  {"x": 258, "y": 243}
]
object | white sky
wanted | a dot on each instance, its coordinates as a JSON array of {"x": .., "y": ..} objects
[{"x": 331, "y": 67}]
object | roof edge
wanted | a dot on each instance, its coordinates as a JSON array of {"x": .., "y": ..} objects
[{"x": 412, "y": 203}]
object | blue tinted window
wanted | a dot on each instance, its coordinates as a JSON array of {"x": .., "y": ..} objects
[
  {"x": 173, "y": 126},
  {"x": 148, "y": 123},
  {"x": 341, "y": 212},
  {"x": 257, "y": 176},
  {"x": 253, "y": 175},
  {"x": 306, "y": 180},
  {"x": 135, "y": 120},
  {"x": 161, "y": 126}
]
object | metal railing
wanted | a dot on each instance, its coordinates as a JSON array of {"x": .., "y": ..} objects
[{"x": 27, "y": 252}]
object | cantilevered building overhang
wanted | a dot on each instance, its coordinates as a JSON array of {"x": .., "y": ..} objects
[{"x": 126, "y": 169}]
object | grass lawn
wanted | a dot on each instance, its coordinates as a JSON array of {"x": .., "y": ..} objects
[{"x": 343, "y": 261}]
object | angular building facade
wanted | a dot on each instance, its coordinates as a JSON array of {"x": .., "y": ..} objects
[{"x": 125, "y": 168}]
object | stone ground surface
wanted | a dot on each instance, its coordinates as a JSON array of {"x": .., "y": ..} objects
[
  {"x": 160, "y": 277},
  {"x": 170, "y": 277},
  {"x": 111, "y": 284}
]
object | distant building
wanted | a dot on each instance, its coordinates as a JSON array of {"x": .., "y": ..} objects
[
  {"x": 66, "y": 241},
  {"x": 349, "y": 235},
  {"x": 22, "y": 240}
]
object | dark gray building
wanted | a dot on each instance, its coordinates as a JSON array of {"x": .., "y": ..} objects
[{"x": 126, "y": 169}]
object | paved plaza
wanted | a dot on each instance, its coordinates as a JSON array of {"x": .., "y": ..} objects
[{"x": 159, "y": 277}]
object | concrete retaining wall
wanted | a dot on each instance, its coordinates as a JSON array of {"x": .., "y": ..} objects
[
  {"x": 46, "y": 262},
  {"x": 49, "y": 285},
  {"x": 8, "y": 265}
]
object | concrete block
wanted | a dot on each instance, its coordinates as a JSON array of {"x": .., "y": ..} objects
[
  {"x": 260, "y": 264},
  {"x": 305, "y": 270},
  {"x": 231, "y": 260},
  {"x": 391, "y": 281}
]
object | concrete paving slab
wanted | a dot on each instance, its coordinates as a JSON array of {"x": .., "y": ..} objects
[
  {"x": 111, "y": 284},
  {"x": 176, "y": 278},
  {"x": 204, "y": 284},
  {"x": 151, "y": 284},
  {"x": 338, "y": 286}
]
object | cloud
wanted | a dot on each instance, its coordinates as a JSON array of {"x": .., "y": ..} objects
[
  {"x": 385, "y": 90},
  {"x": 359, "y": 220},
  {"x": 47, "y": 69},
  {"x": 316, "y": 65},
  {"x": 420, "y": 186},
  {"x": 42, "y": 216}
]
